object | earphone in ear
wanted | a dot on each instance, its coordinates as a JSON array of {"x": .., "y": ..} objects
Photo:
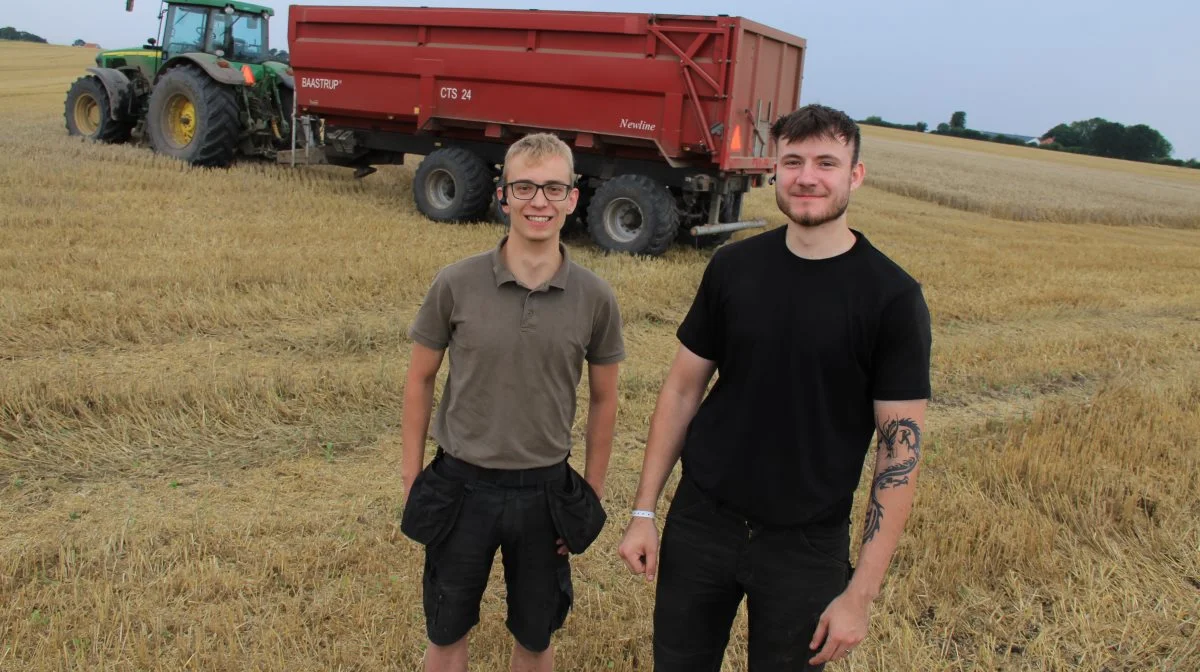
[{"x": 772, "y": 180}]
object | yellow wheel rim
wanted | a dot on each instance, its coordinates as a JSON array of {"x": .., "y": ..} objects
[
  {"x": 181, "y": 120},
  {"x": 87, "y": 114}
]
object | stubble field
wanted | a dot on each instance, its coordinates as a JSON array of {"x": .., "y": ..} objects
[{"x": 201, "y": 374}]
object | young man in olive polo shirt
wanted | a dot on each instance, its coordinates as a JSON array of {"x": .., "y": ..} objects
[
  {"x": 819, "y": 340},
  {"x": 519, "y": 322}
]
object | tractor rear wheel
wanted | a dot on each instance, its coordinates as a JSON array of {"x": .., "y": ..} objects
[
  {"x": 633, "y": 213},
  {"x": 193, "y": 118},
  {"x": 88, "y": 113},
  {"x": 453, "y": 185}
]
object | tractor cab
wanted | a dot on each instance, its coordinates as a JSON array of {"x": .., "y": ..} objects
[{"x": 236, "y": 31}]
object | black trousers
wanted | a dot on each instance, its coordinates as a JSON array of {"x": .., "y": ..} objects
[{"x": 711, "y": 558}]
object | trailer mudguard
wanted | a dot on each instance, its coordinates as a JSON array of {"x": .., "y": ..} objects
[
  {"x": 227, "y": 75},
  {"x": 119, "y": 89}
]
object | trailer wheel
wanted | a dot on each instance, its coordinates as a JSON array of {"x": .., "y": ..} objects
[
  {"x": 731, "y": 211},
  {"x": 453, "y": 185},
  {"x": 633, "y": 213}
]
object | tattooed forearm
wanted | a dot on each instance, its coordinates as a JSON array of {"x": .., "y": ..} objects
[{"x": 900, "y": 442}]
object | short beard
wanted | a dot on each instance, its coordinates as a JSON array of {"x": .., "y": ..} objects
[{"x": 812, "y": 222}]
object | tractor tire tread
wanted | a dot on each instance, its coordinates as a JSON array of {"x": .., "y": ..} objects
[
  {"x": 472, "y": 175},
  {"x": 218, "y": 130},
  {"x": 110, "y": 131}
]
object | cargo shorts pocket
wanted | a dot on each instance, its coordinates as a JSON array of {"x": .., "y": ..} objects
[
  {"x": 576, "y": 510},
  {"x": 432, "y": 508}
]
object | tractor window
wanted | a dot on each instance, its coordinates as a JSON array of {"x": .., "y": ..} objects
[
  {"x": 185, "y": 30},
  {"x": 241, "y": 36},
  {"x": 249, "y": 38}
]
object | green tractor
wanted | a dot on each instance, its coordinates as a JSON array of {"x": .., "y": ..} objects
[{"x": 208, "y": 91}]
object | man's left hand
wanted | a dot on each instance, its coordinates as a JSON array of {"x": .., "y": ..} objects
[{"x": 842, "y": 626}]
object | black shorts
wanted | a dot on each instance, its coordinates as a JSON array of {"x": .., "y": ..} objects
[
  {"x": 476, "y": 511},
  {"x": 711, "y": 558}
]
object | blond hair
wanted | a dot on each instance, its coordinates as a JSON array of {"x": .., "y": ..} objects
[{"x": 538, "y": 147}]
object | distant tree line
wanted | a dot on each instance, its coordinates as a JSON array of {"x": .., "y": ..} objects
[
  {"x": 1096, "y": 136},
  {"x": 958, "y": 128},
  {"x": 1102, "y": 137},
  {"x": 1180, "y": 163},
  {"x": 10, "y": 33},
  {"x": 919, "y": 127}
]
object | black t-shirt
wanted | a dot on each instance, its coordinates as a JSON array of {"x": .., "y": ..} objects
[{"x": 802, "y": 347}]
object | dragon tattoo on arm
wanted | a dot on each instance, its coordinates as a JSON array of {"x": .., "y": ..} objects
[{"x": 899, "y": 441}]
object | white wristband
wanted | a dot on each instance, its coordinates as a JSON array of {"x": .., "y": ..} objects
[{"x": 638, "y": 513}]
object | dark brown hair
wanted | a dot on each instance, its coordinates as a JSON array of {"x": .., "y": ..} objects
[{"x": 818, "y": 121}]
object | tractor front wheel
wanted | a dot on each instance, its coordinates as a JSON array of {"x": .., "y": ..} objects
[
  {"x": 193, "y": 118},
  {"x": 88, "y": 113}
]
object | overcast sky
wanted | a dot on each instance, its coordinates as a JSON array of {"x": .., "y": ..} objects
[{"x": 1014, "y": 66}]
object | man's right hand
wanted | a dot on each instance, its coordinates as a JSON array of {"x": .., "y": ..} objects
[{"x": 639, "y": 547}]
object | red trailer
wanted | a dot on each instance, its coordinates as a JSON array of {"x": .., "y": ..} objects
[{"x": 668, "y": 116}]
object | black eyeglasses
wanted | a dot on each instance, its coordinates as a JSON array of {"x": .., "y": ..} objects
[{"x": 526, "y": 190}]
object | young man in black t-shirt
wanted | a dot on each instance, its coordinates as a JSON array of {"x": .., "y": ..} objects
[{"x": 819, "y": 340}]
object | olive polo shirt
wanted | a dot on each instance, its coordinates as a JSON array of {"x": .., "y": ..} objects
[{"x": 516, "y": 356}]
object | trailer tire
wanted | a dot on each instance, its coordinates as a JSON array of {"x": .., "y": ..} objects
[
  {"x": 731, "y": 211},
  {"x": 634, "y": 214},
  {"x": 453, "y": 185}
]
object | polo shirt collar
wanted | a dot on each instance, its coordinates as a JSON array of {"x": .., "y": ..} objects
[{"x": 503, "y": 275}]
